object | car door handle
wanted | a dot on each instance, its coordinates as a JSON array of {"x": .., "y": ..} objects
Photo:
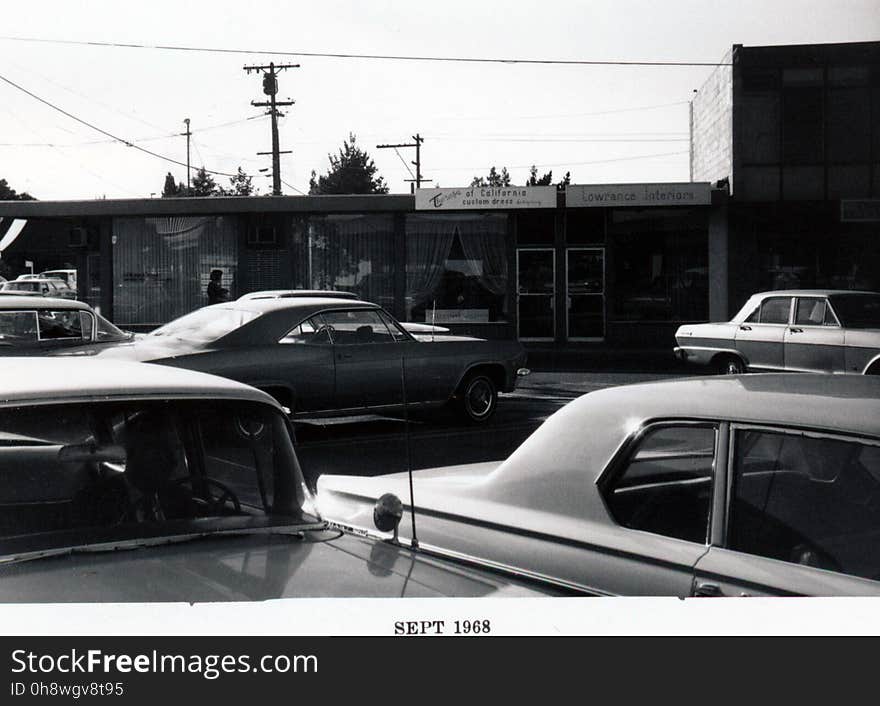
[
  {"x": 745, "y": 328},
  {"x": 344, "y": 355},
  {"x": 708, "y": 590},
  {"x": 796, "y": 330}
]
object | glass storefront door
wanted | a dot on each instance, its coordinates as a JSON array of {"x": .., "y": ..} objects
[
  {"x": 535, "y": 293},
  {"x": 585, "y": 294}
]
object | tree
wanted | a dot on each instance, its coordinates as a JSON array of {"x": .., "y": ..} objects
[
  {"x": 203, "y": 184},
  {"x": 566, "y": 180},
  {"x": 352, "y": 171},
  {"x": 7, "y": 193},
  {"x": 493, "y": 179},
  {"x": 172, "y": 188},
  {"x": 241, "y": 184},
  {"x": 533, "y": 180}
]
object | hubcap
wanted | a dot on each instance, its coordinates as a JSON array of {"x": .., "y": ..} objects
[{"x": 479, "y": 398}]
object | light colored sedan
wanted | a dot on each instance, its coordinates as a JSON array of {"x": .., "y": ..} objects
[
  {"x": 713, "y": 486},
  {"x": 805, "y": 330}
]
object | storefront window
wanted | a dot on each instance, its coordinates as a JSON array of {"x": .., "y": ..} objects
[
  {"x": 350, "y": 252},
  {"x": 456, "y": 268},
  {"x": 660, "y": 266},
  {"x": 162, "y": 266}
]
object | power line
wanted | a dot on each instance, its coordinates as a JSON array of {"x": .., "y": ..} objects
[
  {"x": 127, "y": 143},
  {"x": 384, "y": 57},
  {"x": 570, "y": 164},
  {"x": 612, "y": 111},
  {"x": 154, "y": 138}
]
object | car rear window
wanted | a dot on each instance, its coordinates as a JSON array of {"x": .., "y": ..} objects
[
  {"x": 82, "y": 467},
  {"x": 206, "y": 325},
  {"x": 857, "y": 310}
]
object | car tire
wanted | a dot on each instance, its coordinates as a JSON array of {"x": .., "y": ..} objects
[
  {"x": 478, "y": 398},
  {"x": 730, "y": 365}
]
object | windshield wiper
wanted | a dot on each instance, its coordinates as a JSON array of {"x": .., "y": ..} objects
[{"x": 297, "y": 531}]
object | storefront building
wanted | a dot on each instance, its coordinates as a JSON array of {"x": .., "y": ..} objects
[
  {"x": 595, "y": 264},
  {"x": 795, "y": 130}
]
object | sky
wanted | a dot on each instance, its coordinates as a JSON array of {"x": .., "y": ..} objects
[{"x": 604, "y": 124}]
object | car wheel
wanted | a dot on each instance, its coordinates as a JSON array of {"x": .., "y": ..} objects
[
  {"x": 731, "y": 365},
  {"x": 478, "y": 398}
]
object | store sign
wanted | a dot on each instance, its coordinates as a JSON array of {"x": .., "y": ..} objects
[
  {"x": 457, "y": 316},
  {"x": 670, "y": 194},
  {"x": 485, "y": 198},
  {"x": 860, "y": 210}
]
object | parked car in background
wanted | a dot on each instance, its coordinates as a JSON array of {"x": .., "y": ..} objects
[
  {"x": 39, "y": 286},
  {"x": 713, "y": 486},
  {"x": 68, "y": 276},
  {"x": 199, "y": 475},
  {"x": 417, "y": 329},
  {"x": 805, "y": 330},
  {"x": 322, "y": 355},
  {"x": 41, "y": 325}
]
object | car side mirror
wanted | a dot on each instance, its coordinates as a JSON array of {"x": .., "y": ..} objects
[{"x": 387, "y": 513}]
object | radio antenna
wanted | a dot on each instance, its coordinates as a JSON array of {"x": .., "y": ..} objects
[{"x": 414, "y": 542}]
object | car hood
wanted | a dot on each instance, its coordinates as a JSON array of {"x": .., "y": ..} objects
[{"x": 246, "y": 568}]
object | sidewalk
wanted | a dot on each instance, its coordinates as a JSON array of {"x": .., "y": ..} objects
[{"x": 589, "y": 358}]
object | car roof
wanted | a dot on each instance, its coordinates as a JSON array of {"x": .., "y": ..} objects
[
  {"x": 38, "y": 280},
  {"x": 809, "y": 292},
  {"x": 304, "y": 303},
  {"x": 577, "y": 443},
  {"x": 46, "y": 380},
  {"x": 27, "y": 302},
  {"x": 297, "y": 294}
]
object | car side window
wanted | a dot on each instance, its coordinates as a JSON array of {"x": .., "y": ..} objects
[
  {"x": 814, "y": 312},
  {"x": 309, "y": 331},
  {"x": 357, "y": 326},
  {"x": 755, "y": 316},
  {"x": 807, "y": 500},
  {"x": 397, "y": 333},
  {"x": 60, "y": 325},
  {"x": 18, "y": 328},
  {"x": 666, "y": 484},
  {"x": 775, "y": 310}
]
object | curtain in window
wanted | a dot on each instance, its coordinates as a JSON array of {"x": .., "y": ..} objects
[
  {"x": 428, "y": 241},
  {"x": 161, "y": 266},
  {"x": 485, "y": 242},
  {"x": 353, "y": 253}
]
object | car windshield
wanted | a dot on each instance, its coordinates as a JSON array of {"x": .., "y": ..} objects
[
  {"x": 206, "y": 325},
  {"x": 857, "y": 310},
  {"x": 109, "y": 332},
  {"x": 105, "y": 472},
  {"x": 23, "y": 286}
]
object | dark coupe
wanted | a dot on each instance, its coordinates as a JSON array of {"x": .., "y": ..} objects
[{"x": 330, "y": 355}]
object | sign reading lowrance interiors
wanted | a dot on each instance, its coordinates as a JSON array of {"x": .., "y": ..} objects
[
  {"x": 671, "y": 194},
  {"x": 485, "y": 198}
]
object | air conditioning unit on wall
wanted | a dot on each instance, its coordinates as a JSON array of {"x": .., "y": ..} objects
[
  {"x": 262, "y": 235},
  {"x": 78, "y": 237}
]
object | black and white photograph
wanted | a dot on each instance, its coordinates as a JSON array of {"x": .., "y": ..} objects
[{"x": 515, "y": 310}]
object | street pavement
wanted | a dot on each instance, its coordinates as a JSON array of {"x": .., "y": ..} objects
[{"x": 374, "y": 445}]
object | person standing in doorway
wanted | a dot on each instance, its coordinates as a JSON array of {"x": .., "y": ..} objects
[{"x": 216, "y": 291}]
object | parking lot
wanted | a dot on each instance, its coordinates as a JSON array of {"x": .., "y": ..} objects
[{"x": 374, "y": 445}]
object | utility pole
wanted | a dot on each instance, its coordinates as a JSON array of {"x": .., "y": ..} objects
[
  {"x": 270, "y": 88},
  {"x": 188, "y": 135},
  {"x": 418, "y": 145}
]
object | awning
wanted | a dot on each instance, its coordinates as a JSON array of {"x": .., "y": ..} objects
[{"x": 12, "y": 232}]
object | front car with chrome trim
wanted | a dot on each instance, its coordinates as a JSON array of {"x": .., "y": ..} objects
[{"x": 124, "y": 481}]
